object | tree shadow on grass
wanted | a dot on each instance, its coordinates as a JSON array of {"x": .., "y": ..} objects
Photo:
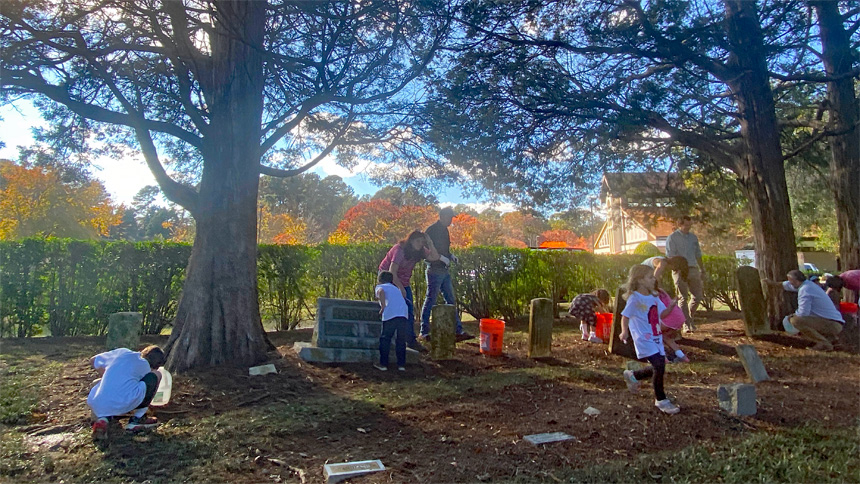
[{"x": 151, "y": 456}]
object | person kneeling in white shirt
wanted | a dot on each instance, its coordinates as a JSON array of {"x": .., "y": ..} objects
[
  {"x": 816, "y": 318},
  {"x": 128, "y": 383}
]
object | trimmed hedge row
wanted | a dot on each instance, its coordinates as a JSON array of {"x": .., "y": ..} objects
[{"x": 69, "y": 287}]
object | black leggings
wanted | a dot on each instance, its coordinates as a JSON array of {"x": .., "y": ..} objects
[
  {"x": 657, "y": 370},
  {"x": 151, "y": 381}
]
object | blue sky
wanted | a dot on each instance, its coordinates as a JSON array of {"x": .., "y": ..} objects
[{"x": 124, "y": 178}]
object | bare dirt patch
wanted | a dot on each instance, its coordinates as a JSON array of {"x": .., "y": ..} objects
[{"x": 454, "y": 421}]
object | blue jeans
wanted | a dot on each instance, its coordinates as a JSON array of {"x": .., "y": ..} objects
[
  {"x": 410, "y": 307},
  {"x": 438, "y": 281},
  {"x": 389, "y": 328}
]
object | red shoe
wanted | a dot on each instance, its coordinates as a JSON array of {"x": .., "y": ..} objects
[
  {"x": 100, "y": 429},
  {"x": 141, "y": 423}
]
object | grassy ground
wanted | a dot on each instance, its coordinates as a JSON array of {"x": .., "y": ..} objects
[{"x": 457, "y": 421}]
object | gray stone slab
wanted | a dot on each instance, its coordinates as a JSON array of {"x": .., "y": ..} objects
[
  {"x": 752, "y": 301},
  {"x": 124, "y": 330},
  {"x": 338, "y": 472},
  {"x": 616, "y": 346},
  {"x": 538, "y": 439},
  {"x": 752, "y": 363},
  {"x": 314, "y": 354},
  {"x": 443, "y": 331},
  {"x": 737, "y": 399},
  {"x": 540, "y": 328},
  {"x": 344, "y": 323}
]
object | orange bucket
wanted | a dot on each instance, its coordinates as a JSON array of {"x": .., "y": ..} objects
[
  {"x": 492, "y": 336},
  {"x": 603, "y": 330}
]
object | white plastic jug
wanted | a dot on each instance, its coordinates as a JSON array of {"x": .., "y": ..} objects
[{"x": 162, "y": 394}]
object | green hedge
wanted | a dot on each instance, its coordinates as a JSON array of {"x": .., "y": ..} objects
[{"x": 69, "y": 287}]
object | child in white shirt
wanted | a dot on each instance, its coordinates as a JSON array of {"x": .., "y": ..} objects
[
  {"x": 641, "y": 320},
  {"x": 128, "y": 382},
  {"x": 395, "y": 315}
]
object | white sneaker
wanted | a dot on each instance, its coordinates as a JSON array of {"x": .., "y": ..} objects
[
  {"x": 401, "y": 368},
  {"x": 667, "y": 406},
  {"x": 380, "y": 367},
  {"x": 594, "y": 339},
  {"x": 632, "y": 384}
]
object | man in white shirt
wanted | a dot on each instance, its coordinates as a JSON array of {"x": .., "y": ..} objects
[{"x": 816, "y": 317}]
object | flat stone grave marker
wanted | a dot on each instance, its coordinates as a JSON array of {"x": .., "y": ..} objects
[
  {"x": 443, "y": 332},
  {"x": 616, "y": 346},
  {"x": 752, "y": 363},
  {"x": 124, "y": 330},
  {"x": 540, "y": 328},
  {"x": 538, "y": 439},
  {"x": 262, "y": 370},
  {"x": 752, "y": 301},
  {"x": 338, "y": 472}
]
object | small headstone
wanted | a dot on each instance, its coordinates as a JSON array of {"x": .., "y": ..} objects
[
  {"x": 737, "y": 399},
  {"x": 540, "y": 328},
  {"x": 752, "y": 363},
  {"x": 538, "y": 439},
  {"x": 124, "y": 330},
  {"x": 752, "y": 301},
  {"x": 591, "y": 411},
  {"x": 443, "y": 332},
  {"x": 262, "y": 370},
  {"x": 338, "y": 472},
  {"x": 616, "y": 346}
]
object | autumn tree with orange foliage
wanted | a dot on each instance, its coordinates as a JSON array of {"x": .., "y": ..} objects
[
  {"x": 381, "y": 221},
  {"x": 566, "y": 236},
  {"x": 36, "y": 201},
  {"x": 280, "y": 228},
  {"x": 462, "y": 230},
  {"x": 524, "y": 227}
]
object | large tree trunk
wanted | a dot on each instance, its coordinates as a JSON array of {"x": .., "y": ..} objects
[
  {"x": 218, "y": 318},
  {"x": 844, "y": 147},
  {"x": 760, "y": 169}
]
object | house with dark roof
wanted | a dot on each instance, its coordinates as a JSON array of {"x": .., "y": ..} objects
[{"x": 640, "y": 208}]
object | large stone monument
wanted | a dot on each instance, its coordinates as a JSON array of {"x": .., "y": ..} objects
[
  {"x": 346, "y": 331},
  {"x": 540, "y": 328},
  {"x": 753, "y": 303},
  {"x": 616, "y": 346},
  {"x": 443, "y": 331},
  {"x": 124, "y": 330}
]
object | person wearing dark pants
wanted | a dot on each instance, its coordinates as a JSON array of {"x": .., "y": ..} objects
[
  {"x": 640, "y": 320},
  {"x": 392, "y": 308},
  {"x": 398, "y": 326},
  {"x": 656, "y": 371},
  {"x": 438, "y": 274}
]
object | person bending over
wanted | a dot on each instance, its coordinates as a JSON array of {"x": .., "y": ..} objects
[{"x": 128, "y": 383}]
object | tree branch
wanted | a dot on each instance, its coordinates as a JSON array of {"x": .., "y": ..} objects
[
  {"x": 35, "y": 85},
  {"x": 271, "y": 171},
  {"x": 815, "y": 77}
]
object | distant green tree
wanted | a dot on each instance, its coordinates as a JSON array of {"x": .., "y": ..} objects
[{"x": 647, "y": 249}]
